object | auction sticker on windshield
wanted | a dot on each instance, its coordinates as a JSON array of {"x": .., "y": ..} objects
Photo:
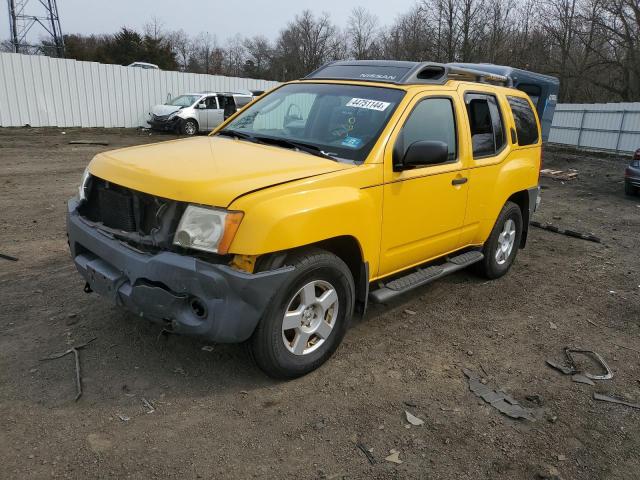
[{"x": 368, "y": 104}]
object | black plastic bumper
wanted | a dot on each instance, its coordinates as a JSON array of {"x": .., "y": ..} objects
[
  {"x": 164, "y": 125},
  {"x": 194, "y": 297}
]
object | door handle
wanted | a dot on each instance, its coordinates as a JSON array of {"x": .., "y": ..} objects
[{"x": 459, "y": 181}]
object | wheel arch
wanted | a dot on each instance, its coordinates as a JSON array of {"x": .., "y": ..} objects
[
  {"x": 345, "y": 247},
  {"x": 521, "y": 199}
]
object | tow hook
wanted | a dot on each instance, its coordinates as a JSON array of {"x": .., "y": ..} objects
[{"x": 87, "y": 288}]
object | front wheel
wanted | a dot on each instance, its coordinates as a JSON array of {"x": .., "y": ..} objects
[
  {"x": 307, "y": 318},
  {"x": 502, "y": 246},
  {"x": 189, "y": 127}
]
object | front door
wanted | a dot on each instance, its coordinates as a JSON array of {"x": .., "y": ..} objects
[{"x": 423, "y": 207}]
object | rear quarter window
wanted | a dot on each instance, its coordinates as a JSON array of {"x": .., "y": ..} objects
[{"x": 526, "y": 126}]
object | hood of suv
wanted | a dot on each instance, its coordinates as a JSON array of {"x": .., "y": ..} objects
[
  {"x": 162, "y": 110},
  {"x": 207, "y": 170}
]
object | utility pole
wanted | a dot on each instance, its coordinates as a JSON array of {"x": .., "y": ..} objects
[{"x": 35, "y": 16}]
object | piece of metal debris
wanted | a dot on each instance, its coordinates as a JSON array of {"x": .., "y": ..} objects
[
  {"x": 88, "y": 142},
  {"x": 76, "y": 353},
  {"x": 567, "y": 232},
  {"x": 8, "y": 257},
  {"x": 124, "y": 418},
  {"x": 579, "y": 378},
  {"x": 606, "y": 398},
  {"x": 149, "y": 406},
  {"x": 367, "y": 452},
  {"x": 207, "y": 348},
  {"x": 499, "y": 400},
  {"x": 409, "y": 312},
  {"x": 571, "y": 368},
  {"x": 394, "y": 457},
  {"x": 413, "y": 420}
]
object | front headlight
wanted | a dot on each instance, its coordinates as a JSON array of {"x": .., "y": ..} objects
[
  {"x": 207, "y": 229},
  {"x": 82, "y": 189},
  {"x": 171, "y": 115}
]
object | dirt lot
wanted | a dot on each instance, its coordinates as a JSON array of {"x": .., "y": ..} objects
[{"x": 217, "y": 416}]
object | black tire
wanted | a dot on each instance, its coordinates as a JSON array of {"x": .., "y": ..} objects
[
  {"x": 489, "y": 266},
  {"x": 630, "y": 189},
  {"x": 189, "y": 127},
  {"x": 267, "y": 345}
]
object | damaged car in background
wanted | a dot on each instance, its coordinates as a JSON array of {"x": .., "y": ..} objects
[{"x": 193, "y": 112}]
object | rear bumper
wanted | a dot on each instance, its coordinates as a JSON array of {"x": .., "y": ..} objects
[{"x": 163, "y": 287}]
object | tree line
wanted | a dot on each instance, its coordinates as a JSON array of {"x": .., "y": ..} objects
[{"x": 592, "y": 46}]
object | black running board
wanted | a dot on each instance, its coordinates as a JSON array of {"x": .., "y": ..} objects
[{"x": 422, "y": 276}]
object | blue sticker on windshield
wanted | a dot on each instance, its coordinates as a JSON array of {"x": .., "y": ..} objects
[{"x": 351, "y": 142}]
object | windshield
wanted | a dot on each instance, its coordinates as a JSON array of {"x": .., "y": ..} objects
[
  {"x": 341, "y": 121},
  {"x": 184, "y": 100}
]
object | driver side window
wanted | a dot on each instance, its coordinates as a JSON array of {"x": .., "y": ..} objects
[{"x": 431, "y": 120}]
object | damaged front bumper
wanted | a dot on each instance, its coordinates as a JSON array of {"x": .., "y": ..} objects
[{"x": 186, "y": 294}]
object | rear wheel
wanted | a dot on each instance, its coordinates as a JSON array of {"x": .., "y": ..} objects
[
  {"x": 189, "y": 127},
  {"x": 307, "y": 318},
  {"x": 502, "y": 246}
]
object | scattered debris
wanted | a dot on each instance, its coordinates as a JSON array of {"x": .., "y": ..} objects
[
  {"x": 394, "y": 457},
  {"x": 88, "y": 142},
  {"x": 499, "y": 400},
  {"x": 579, "y": 378},
  {"x": 606, "y": 398},
  {"x": 8, "y": 257},
  {"x": 470, "y": 352},
  {"x": 561, "y": 458},
  {"x": 559, "y": 174},
  {"x": 569, "y": 233},
  {"x": 553, "y": 326},
  {"x": 536, "y": 398},
  {"x": 76, "y": 354},
  {"x": 122, "y": 417},
  {"x": 149, "y": 406},
  {"x": 207, "y": 348},
  {"x": 367, "y": 452},
  {"x": 571, "y": 369},
  {"x": 410, "y": 404},
  {"x": 409, "y": 312},
  {"x": 413, "y": 420}
]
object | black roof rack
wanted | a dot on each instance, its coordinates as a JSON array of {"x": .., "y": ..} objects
[{"x": 404, "y": 73}]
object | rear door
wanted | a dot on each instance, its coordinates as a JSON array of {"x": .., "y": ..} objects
[
  {"x": 424, "y": 207},
  {"x": 213, "y": 112},
  {"x": 488, "y": 130}
]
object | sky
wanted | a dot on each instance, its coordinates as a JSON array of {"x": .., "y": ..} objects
[{"x": 223, "y": 19}]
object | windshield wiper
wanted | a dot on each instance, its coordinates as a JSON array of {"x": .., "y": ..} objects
[
  {"x": 294, "y": 144},
  {"x": 236, "y": 134}
]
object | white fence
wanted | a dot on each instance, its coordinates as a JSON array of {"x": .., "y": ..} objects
[
  {"x": 51, "y": 92},
  {"x": 602, "y": 126}
]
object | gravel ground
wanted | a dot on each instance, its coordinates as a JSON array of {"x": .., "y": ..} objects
[{"x": 217, "y": 416}]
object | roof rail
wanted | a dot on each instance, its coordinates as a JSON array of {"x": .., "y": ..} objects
[{"x": 403, "y": 73}]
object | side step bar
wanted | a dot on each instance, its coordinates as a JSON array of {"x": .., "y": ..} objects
[{"x": 422, "y": 276}]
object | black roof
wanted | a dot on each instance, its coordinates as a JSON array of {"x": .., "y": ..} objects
[{"x": 404, "y": 73}]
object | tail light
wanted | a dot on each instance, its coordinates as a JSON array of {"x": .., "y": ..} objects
[
  {"x": 627, "y": 172},
  {"x": 636, "y": 156}
]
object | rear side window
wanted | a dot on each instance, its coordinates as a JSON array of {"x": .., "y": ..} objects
[
  {"x": 431, "y": 120},
  {"x": 526, "y": 126},
  {"x": 485, "y": 120}
]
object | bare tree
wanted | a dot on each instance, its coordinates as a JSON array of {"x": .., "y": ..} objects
[{"x": 362, "y": 30}]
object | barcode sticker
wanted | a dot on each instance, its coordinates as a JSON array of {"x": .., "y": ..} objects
[{"x": 368, "y": 104}]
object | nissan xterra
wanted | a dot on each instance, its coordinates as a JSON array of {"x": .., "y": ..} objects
[{"x": 362, "y": 181}]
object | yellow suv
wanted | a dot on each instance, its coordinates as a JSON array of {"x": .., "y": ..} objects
[{"x": 362, "y": 181}]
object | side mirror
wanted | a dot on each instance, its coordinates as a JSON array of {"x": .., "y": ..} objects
[{"x": 424, "y": 153}]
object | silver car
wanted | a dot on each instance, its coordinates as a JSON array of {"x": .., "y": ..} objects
[{"x": 192, "y": 112}]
